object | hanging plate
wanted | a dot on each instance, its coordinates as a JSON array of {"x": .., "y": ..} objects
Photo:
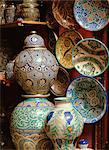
[
  {"x": 64, "y": 45},
  {"x": 90, "y": 57},
  {"x": 63, "y": 13},
  {"x": 88, "y": 97},
  {"x": 92, "y": 15}
]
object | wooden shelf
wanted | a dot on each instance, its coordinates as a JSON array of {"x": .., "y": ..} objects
[{"x": 22, "y": 23}]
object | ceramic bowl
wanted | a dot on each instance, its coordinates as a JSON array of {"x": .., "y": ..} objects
[
  {"x": 88, "y": 97},
  {"x": 92, "y": 15},
  {"x": 64, "y": 46},
  {"x": 60, "y": 85},
  {"x": 90, "y": 57}
]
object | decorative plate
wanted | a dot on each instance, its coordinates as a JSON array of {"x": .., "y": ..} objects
[
  {"x": 64, "y": 45},
  {"x": 60, "y": 85},
  {"x": 92, "y": 15},
  {"x": 90, "y": 57},
  {"x": 63, "y": 13},
  {"x": 88, "y": 97}
]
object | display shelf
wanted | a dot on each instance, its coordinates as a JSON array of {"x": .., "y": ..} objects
[{"x": 23, "y": 23}]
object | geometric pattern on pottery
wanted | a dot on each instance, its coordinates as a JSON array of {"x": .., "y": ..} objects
[
  {"x": 28, "y": 122},
  {"x": 66, "y": 124},
  {"x": 34, "y": 70},
  {"x": 31, "y": 142},
  {"x": 88, "y": 97},
  {"x": 64, "y": 45},
  {"x": 91, "y": 14},
  {"x": 90, "y": 57}
]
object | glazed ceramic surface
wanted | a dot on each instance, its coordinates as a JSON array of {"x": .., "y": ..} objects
[
  {"x": 83, "y": 144},
  {"x": 27, "y": 124},
  {"x": 88, "y": 97},
  {"x": 60, "y": 85},
  {"x": 28, "y": 11},
  {"x": 35, "y": 67},
  {"x": 92, "y": 15},
  {"x": 63, "y": 13},
  {"x": 90, "y": 57},
  {"x": 64, "y": 124},
  {"x": 64, "y": 46}
]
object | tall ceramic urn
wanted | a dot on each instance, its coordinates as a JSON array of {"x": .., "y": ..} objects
[{"x": 34, "y": 69}]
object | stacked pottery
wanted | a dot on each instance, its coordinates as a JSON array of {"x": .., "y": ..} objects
[
  {"x": 64, "y": 124},
  {"x": 28, "y": 10},
  {"x": 2, "y": 11},
  {"x": 27, "y": 124},
  {"x": 34, "y": 68}
]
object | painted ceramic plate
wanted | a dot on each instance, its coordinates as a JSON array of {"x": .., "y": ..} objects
[
  {"x": 90, "y": 57},
  {"x": 88, "y": 97},
  {"x": 63, "y": 13},
  {"x": 64, "y": 45},
  {"x": 92, "y": 15},
  {"x": 60, "y": 85}
]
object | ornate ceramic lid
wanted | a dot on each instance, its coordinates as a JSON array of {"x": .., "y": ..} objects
[{"x": 34, "y": 40}]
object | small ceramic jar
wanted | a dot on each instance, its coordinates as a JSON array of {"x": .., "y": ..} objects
[{"x": 83, "y": 144}]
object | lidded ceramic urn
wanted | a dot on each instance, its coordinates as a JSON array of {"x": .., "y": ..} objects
[
  {"x": 64, "y": 124},
  {"x": 35, "y": 67}
]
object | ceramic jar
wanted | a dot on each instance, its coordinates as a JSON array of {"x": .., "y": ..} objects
[
  {"x": 83, "y": 144},
  {"x": 27, "y": 124},
  {"x": 10, "y": 13},
  {"x": 35, "y": 67},
  {"x": 64, "y": 124},
  {"x": 28, "y": 11}
]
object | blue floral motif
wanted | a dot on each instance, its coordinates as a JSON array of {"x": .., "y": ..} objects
[{"x": 68, "y": 117}]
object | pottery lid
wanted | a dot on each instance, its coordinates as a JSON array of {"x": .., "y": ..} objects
[
  {"x": 83, "y": 141},
  {"x": 34, "y": 40}
]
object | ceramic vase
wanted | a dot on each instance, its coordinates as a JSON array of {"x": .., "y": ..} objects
[
  {"x": 34, "y": 68},
  {"x": 64, "y": 124},
  {"x": 27, "y": 124}
]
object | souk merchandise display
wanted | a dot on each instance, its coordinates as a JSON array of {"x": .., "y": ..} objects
[{"x": 34, "y": 69}]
